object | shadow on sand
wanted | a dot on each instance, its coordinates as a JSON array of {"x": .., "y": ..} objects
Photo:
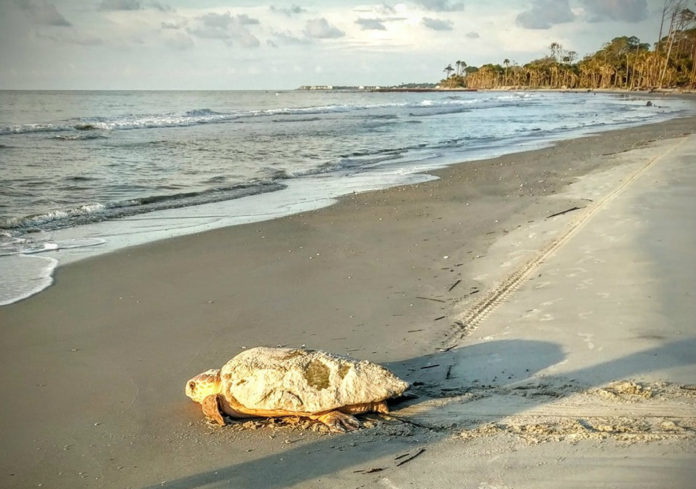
[{"x": 496, "y": 363}]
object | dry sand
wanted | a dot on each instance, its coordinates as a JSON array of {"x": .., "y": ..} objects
[{"x": 512, "y": 325}]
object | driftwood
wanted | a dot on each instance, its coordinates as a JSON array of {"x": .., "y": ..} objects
[
  {"x": 402, "y": 459},
  {"x": 407, "y": 460},
  {"x": 564, "y": 212},
  {"x": 430, "y": 299}
]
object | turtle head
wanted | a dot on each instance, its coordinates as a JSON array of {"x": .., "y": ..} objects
[{"x": 204, "y": 385}]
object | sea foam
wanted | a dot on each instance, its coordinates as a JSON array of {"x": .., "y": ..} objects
[{"x": 24, "y": 276}]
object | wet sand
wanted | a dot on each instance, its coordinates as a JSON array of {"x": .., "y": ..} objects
[{"x": 93, "y": 368}]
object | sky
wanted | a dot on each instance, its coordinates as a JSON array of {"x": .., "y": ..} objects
[{"x": 242, "y": 44}]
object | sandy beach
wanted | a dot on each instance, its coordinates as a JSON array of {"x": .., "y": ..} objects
[{"x": 513, "y": 293}]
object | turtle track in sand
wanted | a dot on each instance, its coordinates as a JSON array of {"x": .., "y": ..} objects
[{"x": 624, "y": 411}]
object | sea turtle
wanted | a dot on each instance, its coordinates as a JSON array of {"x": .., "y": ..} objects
[{"x": 275, "y": 382}]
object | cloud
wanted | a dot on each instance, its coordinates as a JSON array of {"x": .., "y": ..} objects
[
  {"x": 543, "y": 14},
  {"x": 223, "y": 21},
  {"x": 178, "y": 40},
  {"x": 203, "y": 33},
  {"x": 160, "y": 6},
  {"x": 288, "y": 38},
  {"x": 371, "y": 24},
  {"x": 321, "y": 29},
  {"x": 246, "y": 39},
  {"x": 621, "y": 10},
  {"x": 217, "y": 21},
  {"x": 44, "y": 13},
  {"x": 228, "y": 28},
  {"x": 289, "y": 11},
  {"x": 437, "y": 24},
  {"x": 387, "y": 9},
  {"x": 244, "y": 19},
  {"x": 71, "y": 37},
  {"x": 472, "y": 35},
  {"x": 171, "y": 25},
  {"x": 441, "y": 5},
  {"x": 120, "y": 5},
  {"x": 134, "y": 5}
]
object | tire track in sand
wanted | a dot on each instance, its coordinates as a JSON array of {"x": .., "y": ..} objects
[{"x": 470, "y": 319}]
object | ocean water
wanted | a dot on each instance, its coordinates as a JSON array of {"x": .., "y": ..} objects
[{"x": 83, "y": 173}]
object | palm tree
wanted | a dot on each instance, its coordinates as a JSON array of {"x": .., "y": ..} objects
[
  {"x": 506, "y": 62},
  {"x": 680, "y": 19},
  {"x": 448, "y": 69}
]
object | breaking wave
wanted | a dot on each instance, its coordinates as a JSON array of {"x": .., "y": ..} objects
[
  {"x": 91, "y": 127},
  {"x": 95, "y": 212}
]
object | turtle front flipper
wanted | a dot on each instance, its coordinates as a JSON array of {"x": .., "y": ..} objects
[
  {"x": 212, "y": 410},
  {"x": 338, "y": 421}
]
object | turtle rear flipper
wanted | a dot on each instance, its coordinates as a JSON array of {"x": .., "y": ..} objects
[
  {"x": 338, "y": 421},
  {"x": 366, "y": 407}
]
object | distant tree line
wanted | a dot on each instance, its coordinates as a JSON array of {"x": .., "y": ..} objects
[{"x": 623, "y": 63}]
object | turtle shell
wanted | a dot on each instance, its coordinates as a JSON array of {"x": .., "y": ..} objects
[{"x": 308, "y": 381}]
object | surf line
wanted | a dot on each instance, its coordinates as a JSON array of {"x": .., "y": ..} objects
[{"x": 471, "y": 318}]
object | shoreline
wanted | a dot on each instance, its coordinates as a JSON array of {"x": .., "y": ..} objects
[
  {"x": 56, "y": 248},
  {"x": 371, "y": 276}
]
